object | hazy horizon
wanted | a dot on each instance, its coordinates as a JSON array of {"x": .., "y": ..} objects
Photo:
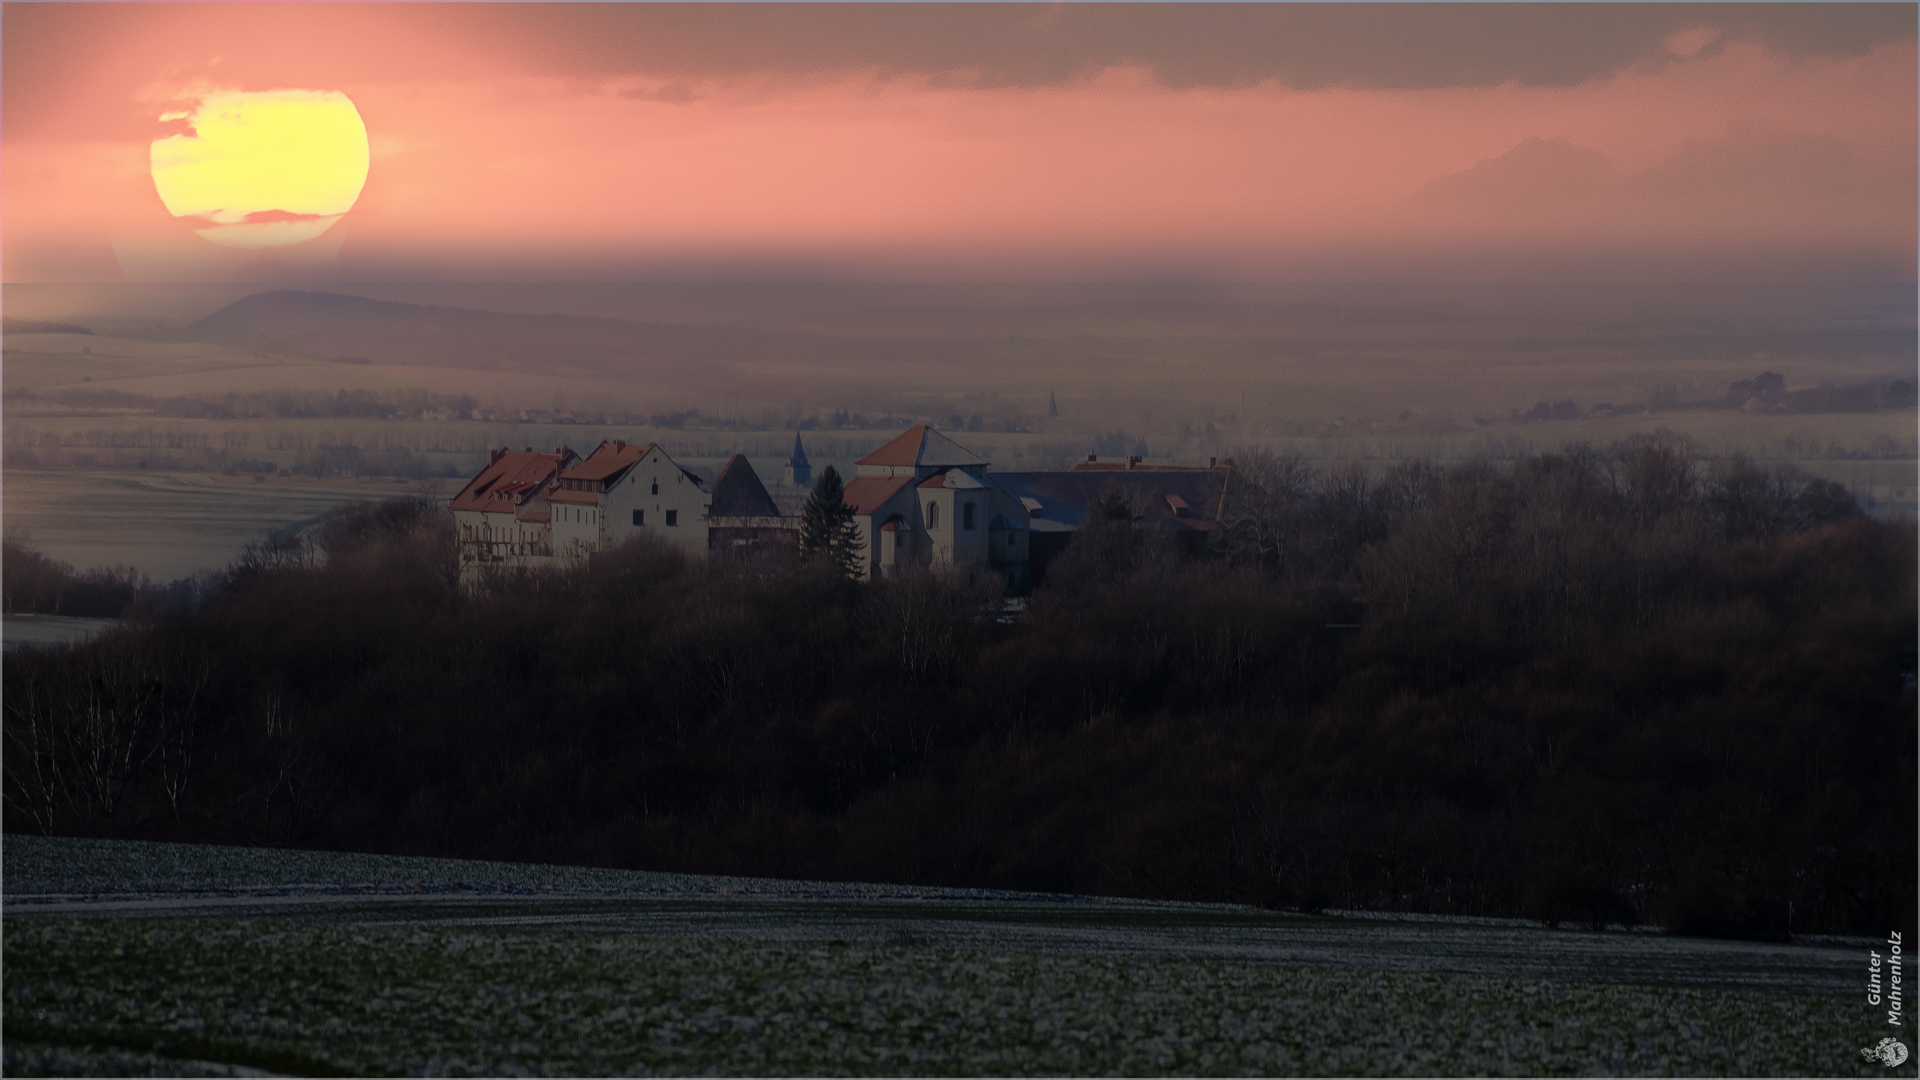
[
  {"x": 961, "y": 142},
  {"x": 1193, "y": 225}
]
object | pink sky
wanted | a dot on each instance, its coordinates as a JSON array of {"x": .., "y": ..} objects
[{"x": 520, "y": 143}]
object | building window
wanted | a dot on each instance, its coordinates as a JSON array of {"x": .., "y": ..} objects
[
  {"x": 966, "y": 515},
  {"x": 639, "y": 517},
  {"x": 673, "y": 517},
  {"x": 656, "y": 485},
  {"x": 1009, "y": 539},
  {"x": 933, "y": 515}
]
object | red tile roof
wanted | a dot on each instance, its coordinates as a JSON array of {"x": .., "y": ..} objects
[
  {"x": 607, "y": 459},
  {"x": 902, "y": 449},
  {"x": 948, "y": 478},
  {"x": 576, "y": 498},
  {"x": 922, "y": 445},
  {"x": 865, "y": 494},
  {"x": 513, "y": 474}
]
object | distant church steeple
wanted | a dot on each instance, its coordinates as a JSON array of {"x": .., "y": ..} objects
[{"x": 798, "y": 473}]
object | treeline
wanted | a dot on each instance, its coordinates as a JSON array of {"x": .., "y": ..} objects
[
  {"x": 1764, "y": 393},
  {"x": 32, "y": 583},
  {"x": 321, "y": 461},
  {"x": 264, "y": 404},
  {"x": 1594, "y": 687}
]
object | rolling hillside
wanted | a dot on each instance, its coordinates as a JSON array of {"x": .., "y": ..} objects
[{"x": 329, "y": 326}]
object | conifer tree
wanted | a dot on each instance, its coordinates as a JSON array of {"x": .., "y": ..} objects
[{"x": 827, "y": 529}]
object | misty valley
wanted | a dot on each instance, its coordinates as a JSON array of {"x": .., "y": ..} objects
[
  {"x": 1463, "y": 615},
  {"x": 1009, "y": 539}
]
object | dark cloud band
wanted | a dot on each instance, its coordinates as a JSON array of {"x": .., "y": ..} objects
[{"x": 1389, "y": 46}]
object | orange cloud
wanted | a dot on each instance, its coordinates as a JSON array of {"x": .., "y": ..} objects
[{"x": 532, "y": 172}]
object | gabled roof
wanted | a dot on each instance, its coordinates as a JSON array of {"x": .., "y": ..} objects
[
  {"x": 738, "y": 492},
  {"x": 953, "y": 478},
  {"x": 608, "y": 460},
  {"x": 922, "y": 447},
  {"x": 511, "y": 475},
  {"x": 865, "y": 494}
]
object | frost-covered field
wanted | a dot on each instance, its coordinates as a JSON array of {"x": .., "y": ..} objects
[
  {"x": 90, "y": 995},
  {"x": 167, "y": 525},
  {"x": 133, "y": 958},
  {"x": 69, "y": 867}
]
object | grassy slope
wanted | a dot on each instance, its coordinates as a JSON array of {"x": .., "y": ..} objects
[
  {"x": 99, "y": 995},
  {"x": 171, "y": 996}
]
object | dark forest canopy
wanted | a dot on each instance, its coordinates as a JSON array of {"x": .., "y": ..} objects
[{"x": 1593, "y": 687}]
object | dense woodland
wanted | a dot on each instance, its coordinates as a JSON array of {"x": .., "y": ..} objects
[{"x": 1597, "y": 686}]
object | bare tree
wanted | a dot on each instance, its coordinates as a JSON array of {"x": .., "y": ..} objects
[{"x": 1268, "y": 507}]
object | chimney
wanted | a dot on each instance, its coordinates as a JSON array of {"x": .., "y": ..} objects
[
  {"x": 1213, "y": 463},
  {"x": 1132, "y": 460},
  {"x": 493, "y": 456},
  {"x": 1093, "y": 457},
  {"x": 619, "y": 445}
]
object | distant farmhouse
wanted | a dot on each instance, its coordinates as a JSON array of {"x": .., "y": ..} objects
[{"x": 919, "y": 500}]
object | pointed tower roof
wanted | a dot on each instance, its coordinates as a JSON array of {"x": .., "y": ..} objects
[
  {"x": 922, "y": 447},
  {"x": 799, "y": 452},
  {"x": 738, "y": 492}
]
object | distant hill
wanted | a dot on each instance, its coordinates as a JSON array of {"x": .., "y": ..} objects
[
  {"x": 36, "y": 326},
  {"x": 328, "y": 326}
]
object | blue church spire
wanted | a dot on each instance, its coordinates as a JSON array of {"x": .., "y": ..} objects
[{"x": 799, "y": 473}]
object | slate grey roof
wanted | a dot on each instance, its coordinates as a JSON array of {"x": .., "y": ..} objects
[
  {"x": 738, "y": 492},
  {"x": 1064, "y": 496}
]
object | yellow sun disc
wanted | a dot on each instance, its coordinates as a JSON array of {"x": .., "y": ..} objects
[{"x": 264, "y": 169}]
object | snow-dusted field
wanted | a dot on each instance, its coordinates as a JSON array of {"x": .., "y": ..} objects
[
  {"x": 149, "y": 958},
  {"x": 44, "y": 630}
]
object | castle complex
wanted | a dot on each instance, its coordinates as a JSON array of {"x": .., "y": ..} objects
[{"x": 920, "y": 499}]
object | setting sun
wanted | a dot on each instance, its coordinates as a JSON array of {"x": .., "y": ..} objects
[{"x": 264, "y": 169}]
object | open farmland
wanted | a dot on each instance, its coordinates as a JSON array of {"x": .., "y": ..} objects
[
  {"x": 48, "y": 362},
  {"x": 255, "y": 386},
  {"x": 42, "y": 370},
  {"x": 167, "y": 525},
  {"x": 379, "y": 966}
]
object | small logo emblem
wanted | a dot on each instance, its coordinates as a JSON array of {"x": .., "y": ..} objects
[{"x": 1888, "y": 1052}]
